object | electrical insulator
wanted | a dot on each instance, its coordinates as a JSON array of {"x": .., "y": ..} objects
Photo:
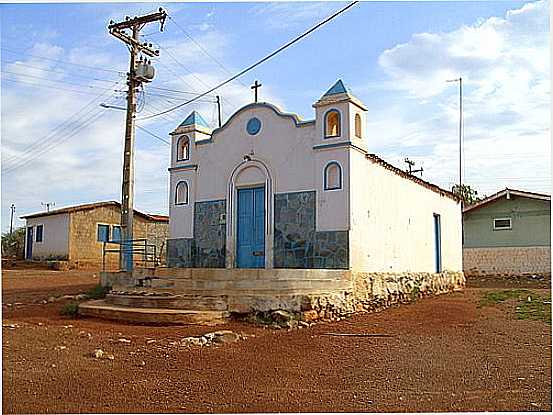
[{"x": 144, "y": 72}]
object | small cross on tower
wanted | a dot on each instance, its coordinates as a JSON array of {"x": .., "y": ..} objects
[{"x": 255, "y": 86}]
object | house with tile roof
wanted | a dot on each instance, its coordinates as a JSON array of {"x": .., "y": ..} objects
[{"x": 78, "y": 234}]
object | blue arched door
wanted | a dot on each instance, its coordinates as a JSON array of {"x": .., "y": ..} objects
[{"x": 250, "y": 250}]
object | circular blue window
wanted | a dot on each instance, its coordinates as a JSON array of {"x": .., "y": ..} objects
[{"x": 253, "y": 126}]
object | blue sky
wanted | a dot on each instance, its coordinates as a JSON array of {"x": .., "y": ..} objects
[{"x": 395, "y": 57}]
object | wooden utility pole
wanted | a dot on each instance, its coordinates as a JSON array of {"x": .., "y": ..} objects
[{"x": 127, "y": 191}]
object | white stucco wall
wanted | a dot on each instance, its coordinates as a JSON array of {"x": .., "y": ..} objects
[
  {"x": 283, "y": 146},
  {"x": 393, "y": 224},
  {"x": 55, "y": 239}
]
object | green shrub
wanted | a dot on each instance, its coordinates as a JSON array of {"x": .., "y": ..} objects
[
  {"x": 98, "y": 292},
  {"x": 70, "y": 310}
]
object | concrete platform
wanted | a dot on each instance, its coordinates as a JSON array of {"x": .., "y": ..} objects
[{"x": 103, "y": 309}]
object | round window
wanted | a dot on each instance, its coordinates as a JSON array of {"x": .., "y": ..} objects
[{"x": 253, "y": 126}]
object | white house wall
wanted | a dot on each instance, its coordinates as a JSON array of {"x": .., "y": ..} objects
[
  {"x": 393, "y": 224},
  {"x": 55, "y": 236}
]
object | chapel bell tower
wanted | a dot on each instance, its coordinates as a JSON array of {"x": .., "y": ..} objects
[
  {"x": 193, "y": 129},
  {"x": 340, "y": 117}
]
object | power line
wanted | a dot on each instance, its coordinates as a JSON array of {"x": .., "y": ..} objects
[
  {"x": 259, "y": 62},
  {"x": 49, "y": 70},
  {"x": 55, "y": 137},
  {"x": 189, "y": 36},
  {"x": 54, "y": 80},
  {"x": 153, "y": 135},
  {"x": 49, "y": 86},
  {"x": 61, "y": 61}
]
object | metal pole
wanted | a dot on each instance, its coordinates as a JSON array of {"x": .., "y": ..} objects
[
  {"x": 219, "y": 109},
  {"x": 12, "y": 208},
  {"x": 460, "y": 131}
]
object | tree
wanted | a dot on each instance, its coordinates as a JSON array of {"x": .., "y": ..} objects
[
  {"x": 13, "y": 245},
  {"x": 468, "y": 195}
]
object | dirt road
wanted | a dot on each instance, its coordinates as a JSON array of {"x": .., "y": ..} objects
[{"x": 446, "y": 353}]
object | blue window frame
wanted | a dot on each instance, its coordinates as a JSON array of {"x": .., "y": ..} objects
[
  {"x": 103, "y": 233},
  {"x": 39, "y": 233},
  {"x": 183, "y": 148},
  {"x": 333, "y": 176},
  {"x": 181, "y": 193},
  {"x": 332, "y": 124},
  {"x": 116, "y": 233}
]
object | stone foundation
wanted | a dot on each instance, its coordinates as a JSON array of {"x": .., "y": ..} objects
[
  {"x": 507, "y": 261},
  {"x": 317, "y": 293}
]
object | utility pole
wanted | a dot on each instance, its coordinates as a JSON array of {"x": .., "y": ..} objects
[
  {"x": 410, "y": 165},
  {"x": 132, "y": 40},
  {"x": 219, "y": 109},
  {"x": 12, "y": 208},
  {"x": 48, "y": 204},
  {"x": 460, "y": 80}
]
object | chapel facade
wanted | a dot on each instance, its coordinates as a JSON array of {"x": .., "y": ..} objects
[{"x": 269, "y": 190}]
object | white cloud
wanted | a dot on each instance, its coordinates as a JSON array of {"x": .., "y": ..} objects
[
  {"x": 504, "y": 62},
  {"x": 284, "y": 14}
]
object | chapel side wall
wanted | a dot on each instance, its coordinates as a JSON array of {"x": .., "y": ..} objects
[
  {"x": 55, "y": 237},
  {"x": 393, "y": 222}
]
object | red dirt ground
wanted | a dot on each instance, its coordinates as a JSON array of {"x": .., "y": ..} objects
[{"x": 445, "y": 354}]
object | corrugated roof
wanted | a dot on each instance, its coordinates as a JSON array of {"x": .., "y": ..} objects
[
  {"x": 502, "y": 193},
  {"x": 88, "y": 206}
]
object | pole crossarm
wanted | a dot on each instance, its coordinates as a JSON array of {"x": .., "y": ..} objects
[
  {"x": 141, "y": 20},
  {"x": 130, "y": 41}
]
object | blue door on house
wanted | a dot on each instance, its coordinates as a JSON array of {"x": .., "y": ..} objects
[
  {"x": 250, "y": 252},
  {"x": 29, "y": 244},
  {"x": 438, "y": 242}
]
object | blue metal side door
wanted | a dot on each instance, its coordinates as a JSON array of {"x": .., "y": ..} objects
[
  {"x": 251, "y": 228},
  {"x": 29, "y": 244}
]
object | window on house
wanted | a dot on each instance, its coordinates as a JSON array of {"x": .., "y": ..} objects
[
  {"x": 183, "y": 149},
  {"x": 39, "y": 233},
  {"x": 358, "y": 125},
  {"x": 332, "y": 176},
  {"x": 332, "y": 123},
  {"x": 500, "y": 224},
  {"x": 103, "y": 233},
  {"x": 116, "y": 233},
  {"x": 181, "y": 193}
]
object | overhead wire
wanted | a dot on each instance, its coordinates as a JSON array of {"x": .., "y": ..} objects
[
  {"x": 61, "y": 61},
  {"x": 259, "y": 62}
]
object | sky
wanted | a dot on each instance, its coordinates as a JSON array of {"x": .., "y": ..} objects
[{"x": 59, "y": 63}]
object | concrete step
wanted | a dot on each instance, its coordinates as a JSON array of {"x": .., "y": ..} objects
[
  {"x": 216, "y": 274},
  {"x": 105, "y": 310},
  {"x": 174, "y": 302},
  {"x": 186, "y": 285}
]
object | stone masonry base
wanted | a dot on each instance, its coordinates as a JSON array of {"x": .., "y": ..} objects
[
  {"x": 315, "y": 293},
  {"x": 507, "y": 261}
]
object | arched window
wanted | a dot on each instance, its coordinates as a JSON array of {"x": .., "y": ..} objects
[
  {"x": 183, "y": 148},
  {"x": 333, "y": 176},
  {"x": 332, "y": 123},
  {"x": 181, "y": 193},
  {"x": 358, "y": 125}
]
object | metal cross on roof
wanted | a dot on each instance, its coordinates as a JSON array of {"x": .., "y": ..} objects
[{"x": 255, "y": 86}]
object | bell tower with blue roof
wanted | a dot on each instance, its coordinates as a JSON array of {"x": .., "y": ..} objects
[
  {"x": 192, "y": 130},
  {"x": 340, "y": 117}
]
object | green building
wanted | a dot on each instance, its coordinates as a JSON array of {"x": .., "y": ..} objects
[{"x": 508, "y": 233}]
